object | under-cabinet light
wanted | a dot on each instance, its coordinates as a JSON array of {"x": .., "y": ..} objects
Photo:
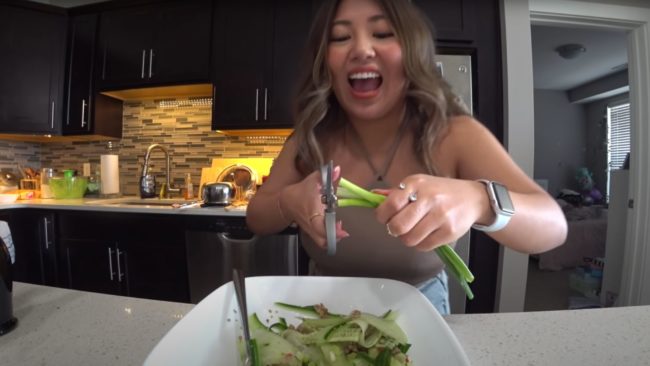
[{"x": 189, "y": 102}]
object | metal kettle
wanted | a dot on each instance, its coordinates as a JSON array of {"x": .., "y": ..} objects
[
  {"x": 218, "y": 193},
  {"x": 7, "y": 320}
]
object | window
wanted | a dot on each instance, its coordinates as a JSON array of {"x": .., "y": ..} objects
[{"x": 618, "y": 138}]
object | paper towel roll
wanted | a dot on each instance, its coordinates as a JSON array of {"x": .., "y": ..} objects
[{"x": 110, "y": 174}]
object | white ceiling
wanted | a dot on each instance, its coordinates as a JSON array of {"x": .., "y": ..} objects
[{"x": 606, "y": 53}]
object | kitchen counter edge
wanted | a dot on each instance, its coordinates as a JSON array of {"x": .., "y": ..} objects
[{"x": 86, "y": 204}]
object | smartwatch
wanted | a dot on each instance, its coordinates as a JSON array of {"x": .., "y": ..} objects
[{"x": 501, "y": 205}]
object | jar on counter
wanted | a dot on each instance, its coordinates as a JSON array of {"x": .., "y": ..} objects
[{"x": 46, "y": 175}]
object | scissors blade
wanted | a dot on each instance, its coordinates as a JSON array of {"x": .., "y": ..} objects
[{"x": 329, "y": 200}]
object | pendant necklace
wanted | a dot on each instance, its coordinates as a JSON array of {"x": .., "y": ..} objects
[{"x": 379, "y": 174}]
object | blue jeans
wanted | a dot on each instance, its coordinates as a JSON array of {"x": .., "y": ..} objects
[{"x": 437, "y": 292}]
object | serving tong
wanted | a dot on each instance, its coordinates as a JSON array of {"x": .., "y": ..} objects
[{"x": 239, "y": 280}]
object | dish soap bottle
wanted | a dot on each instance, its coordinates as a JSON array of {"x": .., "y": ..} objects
[{"x": 189, "y": 187}]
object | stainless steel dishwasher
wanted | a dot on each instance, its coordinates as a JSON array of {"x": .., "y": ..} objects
[{"x": 215, "y": 245}]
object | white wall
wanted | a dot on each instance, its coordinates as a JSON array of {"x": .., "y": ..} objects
[
  {"x": 560, "y": 140},
  {"x": 519, "y": 136}
]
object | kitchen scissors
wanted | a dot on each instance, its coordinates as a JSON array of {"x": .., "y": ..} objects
[{"x": 328, "y": 198}]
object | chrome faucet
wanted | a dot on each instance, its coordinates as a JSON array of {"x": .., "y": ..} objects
[{"x": 147, "y": 181}]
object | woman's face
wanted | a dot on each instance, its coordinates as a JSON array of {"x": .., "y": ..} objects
[{"x": 365, "y": 60}]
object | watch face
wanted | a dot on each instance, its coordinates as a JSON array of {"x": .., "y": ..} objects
[{"x": 503, "y": 198}]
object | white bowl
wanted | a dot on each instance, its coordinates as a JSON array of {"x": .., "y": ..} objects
[{"x": 207, "y": 335}]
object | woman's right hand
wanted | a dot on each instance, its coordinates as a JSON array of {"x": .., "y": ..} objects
[{"x": 301, "y": 203}]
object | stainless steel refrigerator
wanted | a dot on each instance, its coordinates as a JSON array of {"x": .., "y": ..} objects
[{"x": 457, "y": 71}]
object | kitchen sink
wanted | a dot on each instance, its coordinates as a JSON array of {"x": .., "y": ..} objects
[{"x": 136, "y": 201}]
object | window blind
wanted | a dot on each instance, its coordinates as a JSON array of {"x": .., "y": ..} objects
[
  {"x": 618, "y": 135},
  {"x": 618, "y": 139}
]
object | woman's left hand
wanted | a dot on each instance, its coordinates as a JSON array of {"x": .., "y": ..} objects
[{"x": 427, "y": 211}]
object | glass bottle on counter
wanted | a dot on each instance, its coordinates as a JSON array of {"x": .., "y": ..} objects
[
  {"x": 189, "y": 187},
  {"x": 46, "y": 175}
]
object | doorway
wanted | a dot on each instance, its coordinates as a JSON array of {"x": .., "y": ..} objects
[
  {"x": 577, "y": 73},
  {"x": 635, "y": 20}
]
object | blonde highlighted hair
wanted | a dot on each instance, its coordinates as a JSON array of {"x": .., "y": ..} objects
[{"x": 429, "y": 100}]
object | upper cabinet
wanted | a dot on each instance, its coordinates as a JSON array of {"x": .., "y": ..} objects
[
  {"x": 257, "y": 48},
  {"x": 454, "y": 20},
  {"x": 87, "y": 112},
  {"x": 31, "y": 87},
  {"x": 166, "y": 43}
]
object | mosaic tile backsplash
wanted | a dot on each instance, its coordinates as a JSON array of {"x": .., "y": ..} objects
[{"x": 182, "y": 128}]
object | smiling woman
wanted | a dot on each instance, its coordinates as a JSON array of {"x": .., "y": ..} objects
[{"x": 373, "y": 103}]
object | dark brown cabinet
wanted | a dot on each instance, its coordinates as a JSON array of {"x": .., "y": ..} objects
[
  {"x": 256, "y": 52},
  {"x": 124, "y": 254},
  {"x": 87, "y": 112},
  {"x": 165, "y": 43},
  {"x": 32, "y": 232},
  {"x": 31, "y": 87},
  {"x": 453, "y": 20}
]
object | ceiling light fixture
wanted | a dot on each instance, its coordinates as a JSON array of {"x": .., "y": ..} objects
[{"x": 570, "y": 51}]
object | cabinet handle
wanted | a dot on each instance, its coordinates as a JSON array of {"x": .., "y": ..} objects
[
  {"x": 150, "y": 62},
  {"x": 144, "y": 57},
  {"x": 119, "y": 269},
  {"x": 83, "y": 112},
  {"x": 257, "y": 102},
  {"x": 110, "y": 262},
  {"x": 47, "y": 239},
  {"x": 266, "y": 98},
  {"x": 52, "y": 116}
]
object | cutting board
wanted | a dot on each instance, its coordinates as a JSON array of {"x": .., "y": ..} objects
[{"x": 261, "y": 167}]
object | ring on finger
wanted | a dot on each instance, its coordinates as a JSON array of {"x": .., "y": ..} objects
[
  {"x": 390, "y": 232},
  {"x": 413, "y": 196},
  {"x": 315, "y": 215}
]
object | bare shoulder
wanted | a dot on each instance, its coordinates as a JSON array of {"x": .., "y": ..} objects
[
  {"x": 469, "y": 150},
  {"x": 283, "y": 170},
  {"x": 464, "y": 127}
]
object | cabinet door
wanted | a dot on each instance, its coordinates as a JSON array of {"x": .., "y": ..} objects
[
  {"x": 453, "y": 20},
  {"x": 32, "y": 45},
  {"x": 125, "y": 40},
  {"x": 33, "y": 236},
  {"x": 47, "y": 244},
  {"x": 291, "y": 22},
  {"x": 81, "y": 52},
  {"x": 91, "y": 265},
  {"x": 181, "y": 48},
  {"x": 153, "y": 250},
  {"x": 155, "y": 269},
  {"x": 240, "y": 31}
]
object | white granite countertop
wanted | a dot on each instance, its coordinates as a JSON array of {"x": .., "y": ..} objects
[
  {"x": 590, "y": 337},
  {"x": 157, "y": 206},
  {"x": 66, "y": 327}
]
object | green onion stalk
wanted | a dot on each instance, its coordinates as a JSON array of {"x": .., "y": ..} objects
[{"x": 349, "y": 194}]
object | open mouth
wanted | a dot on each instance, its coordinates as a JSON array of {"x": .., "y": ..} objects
[{"x": 363, "y": 82}]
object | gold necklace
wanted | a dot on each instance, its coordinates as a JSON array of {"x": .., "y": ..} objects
[{"x": 379, "y": 175}]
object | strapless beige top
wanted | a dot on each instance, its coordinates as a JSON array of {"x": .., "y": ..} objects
[{"x": 370, "y": 252}]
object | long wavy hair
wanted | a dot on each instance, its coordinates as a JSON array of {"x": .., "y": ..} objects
[{"x": 429, "y": 100}]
